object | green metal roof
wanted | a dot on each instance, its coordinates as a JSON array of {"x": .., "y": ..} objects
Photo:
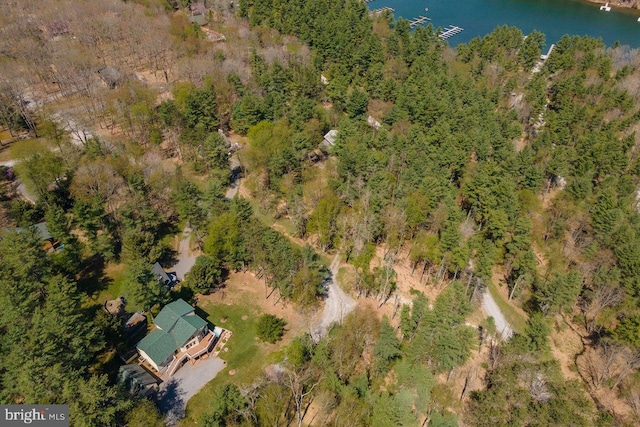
[
  {"x": 185, "y": 327},
  {"x": 170, "y": 314},
  {"x": 195, "y": 321},
  {"x": 175, "y": 326},
  {"x": 158, "y": 345},
  {"x": 42, "y": 229}
]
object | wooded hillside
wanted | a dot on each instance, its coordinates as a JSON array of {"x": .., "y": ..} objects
[{"x": 470, "y": 170}]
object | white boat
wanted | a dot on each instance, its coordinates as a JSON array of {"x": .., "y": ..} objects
[
  {"x": 638, "y": 19},
  {"x": 606, "y": 8}
]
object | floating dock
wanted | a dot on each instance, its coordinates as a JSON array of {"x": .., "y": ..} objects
[
  {"x": 450, "y": 31},
  {"x": 376, "y": 12},
  {"x": 420, "y": 20}
]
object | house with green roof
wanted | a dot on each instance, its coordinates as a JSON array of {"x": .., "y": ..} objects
[{"x": 179, "y": 335}]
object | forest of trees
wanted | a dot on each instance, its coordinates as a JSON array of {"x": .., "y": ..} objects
[{"x": 485, "y": 171}]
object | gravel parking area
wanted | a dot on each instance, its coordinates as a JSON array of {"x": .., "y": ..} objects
[{"x": 176, "y": 391}]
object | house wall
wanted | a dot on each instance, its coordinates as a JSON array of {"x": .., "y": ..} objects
[
  {"x": 168, "y": 360},
  {"x": 163, "y": 365},
  {"x": 148, "y": 359},
  {"x": 195, "y": 339}
]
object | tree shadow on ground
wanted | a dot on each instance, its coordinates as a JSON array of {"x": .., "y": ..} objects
[
  {"x": 170, "y": 401},
  {"x": 92, "y": 279},
  {"x": 324, "y": 287},
  {"x": 204, "y": 315},
  {"x": 184, "y": 292},
  {"x": 168, "y": 258}
]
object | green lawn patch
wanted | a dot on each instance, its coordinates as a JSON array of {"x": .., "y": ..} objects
[
  {"x": 288, "y": 225},
  {"x": 21, "y": 149},
  {"x": 517, "y": 321},
  {"x": 245, "y": 355},
  {"x": 265, "y": 217},
  {"x": 104, "y": 285}
]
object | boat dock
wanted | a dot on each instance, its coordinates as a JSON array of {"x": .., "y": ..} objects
[
  {"x": 545, "y": 57},
  {"x": 450, "y": 31},
  {"x": 418, "y": 21},
  {"x": 376, "y": 12}
]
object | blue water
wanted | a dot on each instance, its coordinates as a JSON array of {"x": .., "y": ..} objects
[{"x": 552, "y": 17}]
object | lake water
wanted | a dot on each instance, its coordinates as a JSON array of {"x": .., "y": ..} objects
[{"x": 552, "y": 17}]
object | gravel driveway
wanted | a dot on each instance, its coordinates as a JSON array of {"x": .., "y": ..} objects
[
  {"x": 337, "y": 304},
  {"x": 491, "y": 308},
  {"x": 174, "y": 393},
  {"x": 186, "y": 257},
  {"x": 236, "y": 170}
]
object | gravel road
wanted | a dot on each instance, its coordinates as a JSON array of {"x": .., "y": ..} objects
[
  {"x": 337, "y": 305},
  {"x": 491, "y": 308},
  {"x": 234, "y": 164},
  {"x": 186, "y": 257}
]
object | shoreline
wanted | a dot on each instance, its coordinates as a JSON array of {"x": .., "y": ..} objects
[{"x": 632, "y": 4}]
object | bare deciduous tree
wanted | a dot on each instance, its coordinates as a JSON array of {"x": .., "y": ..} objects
[
  {"x": 629, "y": 363},
  {"x": 603, "y": 296},
  {"x": 601, "y": 360},
  {"x": 301, "y": 382}
]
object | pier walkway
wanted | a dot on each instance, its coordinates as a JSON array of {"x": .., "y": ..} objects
[
  {"x": 418, "y": 21},
  {"x": 450, "y": 31},
  {"x": 376, "y": 12}
]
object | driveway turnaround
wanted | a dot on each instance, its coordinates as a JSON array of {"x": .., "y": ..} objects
[{"x": 176, "y": 391}]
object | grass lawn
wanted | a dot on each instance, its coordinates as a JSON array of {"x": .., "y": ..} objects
[
  {"x": 264, "y": 217},
  {"x": 24, "y": 148},
  {"x": 288, "y": 225},
  {"x": 513, "y": 317},
  {"x": 246, "y": 355},
  {"x": 267, "y": 218},
  {"x": 106, "y": 287}
]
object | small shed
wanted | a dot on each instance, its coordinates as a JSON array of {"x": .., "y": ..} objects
[
  {"x": 329, "y": 141},
  {"x": 331, "y": 137},
  {"x": 135, "y": 323}
]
